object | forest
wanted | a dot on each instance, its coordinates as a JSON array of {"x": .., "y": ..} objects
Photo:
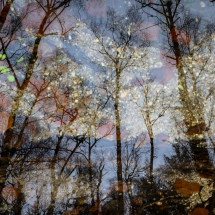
[{"x": 107, "y": 107}]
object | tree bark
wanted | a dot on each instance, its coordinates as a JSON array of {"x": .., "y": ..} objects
[
  {"x": 119, "y": 146},
  {"x": 4, "y": 12},
  {"x": 197, "y": 142}
]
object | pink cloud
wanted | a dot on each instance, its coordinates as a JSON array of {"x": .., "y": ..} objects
[
  {"x": 147, "y": 31},
  {"x": 107, "y": 129},
  {"x": 162, "y": 75},
  {"x": 96, "y": 8},
  {"x": 162, "y": 137},
  {"x": 33, "y": 15}
]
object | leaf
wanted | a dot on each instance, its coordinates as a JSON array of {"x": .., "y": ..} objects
[
  {"x": 6, "y": 121},
  {"x": 11, "y": 78},
  {"x": 3, "y": 56},
  {"x": 63, "y": 68},
  {"x": 9, "y": 193},
  {"x": 186, "y": 188},
  {"x": 4, "y": 71},
  {"x": 10, "y": 122},
  {"x": 119, "y": 49},
  {"x": 3, "y": 67},
  {"x": 180, "y": 87},
  {"x": 200, "y": 211},
  {"x": 59, "y": 58},
  {"x": 196, "y": 129},
  {"x": 94, "y": 207},
  {"x": 20, "y": 59}
]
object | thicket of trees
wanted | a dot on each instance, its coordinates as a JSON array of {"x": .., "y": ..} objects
[{"x": 88, "y": 94}]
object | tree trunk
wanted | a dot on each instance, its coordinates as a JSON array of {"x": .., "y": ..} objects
[
  {"x": 8, "y": 149},
  {"x": 55, "y": 181},
  {"x": 90, "y": 176},
  {"x": 19, "y": 202},
  {"x": 4, "y": 12},
  {"x": 151, "y": 161},
  {"x": 195, "y": 128},
  {"x": 119, "y": 146},
  {"x": 212, "y": 204}
]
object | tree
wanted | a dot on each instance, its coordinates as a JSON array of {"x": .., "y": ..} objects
[
  {"x": 153, "y": 105},
  {"x": 188, "y": 40},
  {"x": 117, "y": 43},
  {"x": 50, "y": 13},
  {"x": 180, "y": 51},
  {"x": 134, "y": 168},
  {"x": 5, "y": 8}
]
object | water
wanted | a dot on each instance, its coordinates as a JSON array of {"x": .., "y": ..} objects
[{"x": 107, "y": 107}]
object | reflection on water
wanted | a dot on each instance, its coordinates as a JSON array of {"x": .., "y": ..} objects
[{"x": 107, "y": 107}]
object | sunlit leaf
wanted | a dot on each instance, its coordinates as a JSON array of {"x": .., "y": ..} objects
[
  {"x": 3, "y": 56},
  {"x": 3, "y": 68},
  {"x": 20, "y": 59},
  {"x": 4, "y": 71},
  {"x": 180, "y": 87},
  {"x": 11, "y": 78}
]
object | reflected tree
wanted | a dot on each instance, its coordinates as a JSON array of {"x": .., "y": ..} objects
[
  {"x": 188, "y": 39},
  {"x": 117, "y": 42},
  {"x": 51, "y": 13},
  {"x": 185, "y": 44}
]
